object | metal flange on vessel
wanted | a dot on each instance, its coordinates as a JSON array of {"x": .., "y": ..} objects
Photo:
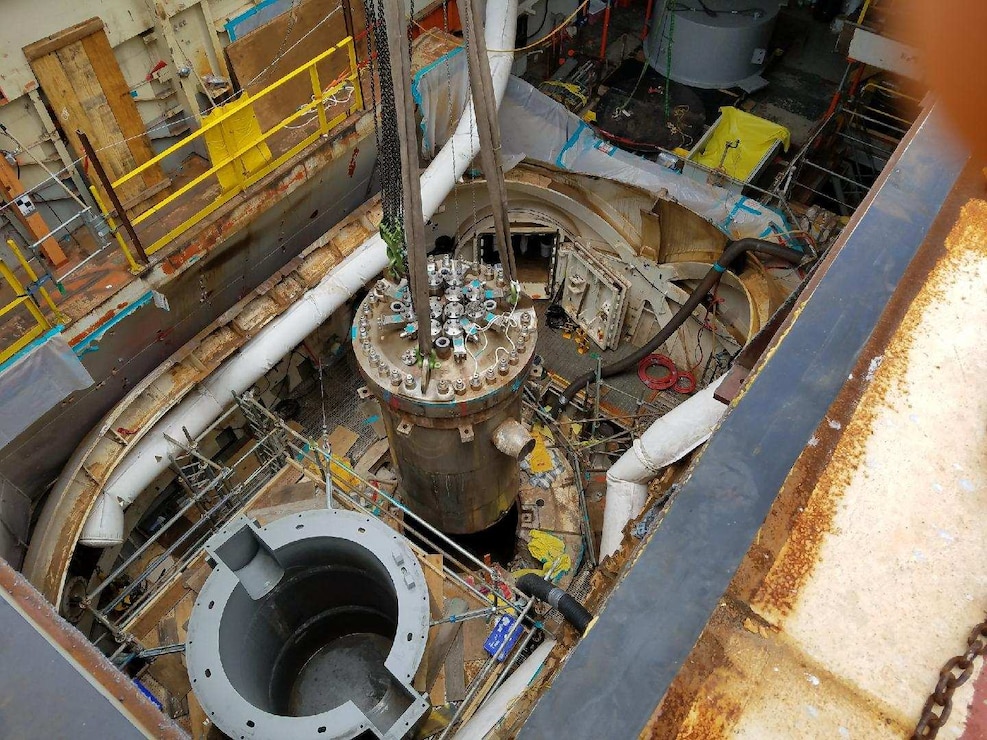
[
  {"x": 312, "y": 626},
  {"x": 453, "y": 422}
]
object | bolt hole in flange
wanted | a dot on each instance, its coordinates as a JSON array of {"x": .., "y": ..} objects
[{"x": 319, "y": 638}]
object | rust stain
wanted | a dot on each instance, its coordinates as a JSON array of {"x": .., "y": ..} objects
[
  {"x": 886, "y": 374},
  {"x": 976, "y": 719},
  {"x": 99, "y": 322},
  {"x": 701, "y": 703}
]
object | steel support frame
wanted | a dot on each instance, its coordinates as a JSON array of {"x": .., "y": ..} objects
[{"x": 620, "y": 671}]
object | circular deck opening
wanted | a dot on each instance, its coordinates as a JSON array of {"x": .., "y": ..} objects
[
  {"x": 499, "y": 540},
  {"x": 319, "y": 638}
]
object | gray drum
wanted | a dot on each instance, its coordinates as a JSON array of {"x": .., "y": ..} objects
[
  {"x": 726, "y": 49},
  {"x": 312, "y": 626}
]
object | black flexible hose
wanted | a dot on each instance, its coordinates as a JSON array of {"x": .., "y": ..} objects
[
  {"x": 709, "y": 281},
  {"x": 574, "y": 612}
]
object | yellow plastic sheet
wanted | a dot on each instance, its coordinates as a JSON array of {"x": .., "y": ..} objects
[
  {"x": 540, "y": 458},
  {"x": 546, "y": 548},
  {"x": 739, "y": 142},
  {"x": 232, "y": 135}
]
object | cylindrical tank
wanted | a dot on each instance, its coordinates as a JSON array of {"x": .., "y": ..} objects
[
  {"x": 311, "y": 626},
  {"x": 456, "y": 441},
  {"x": 719, "y": 47}
]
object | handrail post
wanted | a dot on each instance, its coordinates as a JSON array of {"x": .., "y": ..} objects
[
  {"x": 60, "y": 317},
  {"x": 355, "y": 73},
  {"x": 317, "y": 97},
  {"x": 135, "y": 268},
  {"x": 114, "y": 199},
  {"x": 22, "y": 294}
]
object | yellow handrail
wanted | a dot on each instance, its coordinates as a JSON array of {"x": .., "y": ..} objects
[
  {"x": 33, "y": 277},
  {"x": 245, "y": 176},
  {"x": 25, "y": 299}
]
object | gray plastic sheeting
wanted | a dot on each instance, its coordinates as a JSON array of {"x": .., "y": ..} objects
[
  {"x": 35, "y": 383},
  {"x": 535, "y": 127}
]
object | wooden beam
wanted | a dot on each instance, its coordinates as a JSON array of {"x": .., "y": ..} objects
[
  {"x": 12, "y": 187},
  {"x": 63, "y": 38},
  {"x": 117, "y": 93}
]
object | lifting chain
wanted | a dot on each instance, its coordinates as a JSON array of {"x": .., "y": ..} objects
[
  {"x": 954, "y": 673},
  {"x": 388, "y": 142}
]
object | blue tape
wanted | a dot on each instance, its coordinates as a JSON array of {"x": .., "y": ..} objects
[
  {"x": 232, "y": 23},
  {"x": 718, "y": 267},
  {"x": 26, "y": 349},
  {"x": 93, "y": 339},
  {"x": 147, "y": 693},
  {"x": 570, "y": 143},
  {"x": 416, "y": 92}
]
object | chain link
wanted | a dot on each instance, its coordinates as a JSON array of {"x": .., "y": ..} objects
[
  {"x": 388, "y": 141},
  {"x": 941, "y": 698}
]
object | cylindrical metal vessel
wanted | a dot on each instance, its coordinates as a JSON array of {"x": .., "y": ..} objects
[
  {"x": 457, "y": 472},
  {"x": 715, "y": 50},
  {"x": 311, "y": 626}
]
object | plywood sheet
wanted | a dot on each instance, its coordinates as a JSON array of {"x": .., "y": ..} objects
[
  {"x": 81, "y": 78},
  {"x": 107, "y": 70},
  {"x": 266, "y": 55}
]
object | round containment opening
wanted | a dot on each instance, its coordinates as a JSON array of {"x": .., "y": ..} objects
[
  {"x": 314, "y": 624},
  {"x": 320, "y": 637}
]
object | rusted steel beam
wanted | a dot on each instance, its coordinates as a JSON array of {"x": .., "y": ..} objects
[{"x": 107, "y": 186}]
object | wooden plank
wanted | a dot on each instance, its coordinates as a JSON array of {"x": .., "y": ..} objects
[
  {"x": 68, "y": 110},
  {"x": 66, "y": 36},
  {"x": 35, "y": 224},
  {"x": 341, "y": 440},
  {"x": 169, "y": 670},
  {"x": 198, "y": 720},
  {"x": 255, "y": 62},
  {"x": 432, "y": 567},
  {"x": 455, "y": 669},
  {"x": 107, "y": 70},
  {"x": 103, "y": 129}
]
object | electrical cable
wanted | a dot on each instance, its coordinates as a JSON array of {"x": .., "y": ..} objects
[
  {"x": 709, "y": 281},
  {"x": 541, "y": 25},
  {"x": 547, "y": 36}
]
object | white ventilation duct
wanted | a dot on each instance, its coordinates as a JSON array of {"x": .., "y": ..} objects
[
  {"x": 149, "y": 458},
  {"x": 670, "y": 438}
]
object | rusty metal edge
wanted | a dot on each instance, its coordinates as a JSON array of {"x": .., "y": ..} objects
[{"x": 616, "y": 676}]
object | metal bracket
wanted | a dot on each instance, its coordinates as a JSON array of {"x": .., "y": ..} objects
[
  {"x": 404, "y": 427},
  {"x": 466, "y": 433}
]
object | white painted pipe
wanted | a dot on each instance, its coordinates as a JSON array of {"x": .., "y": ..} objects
[
  {"x": 492, "y": 711},
  {"x": 670, "y": 438},
  {"x": 149, "y": 458}
]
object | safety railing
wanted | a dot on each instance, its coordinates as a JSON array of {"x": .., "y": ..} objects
[
  {"x": 33, "y": 297},
  {"x": 244, "y": 157}
]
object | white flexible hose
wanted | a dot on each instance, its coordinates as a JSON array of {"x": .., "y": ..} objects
[
  {"x": 149, "y": 458},
  {"x": 670, "y": 438}
]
